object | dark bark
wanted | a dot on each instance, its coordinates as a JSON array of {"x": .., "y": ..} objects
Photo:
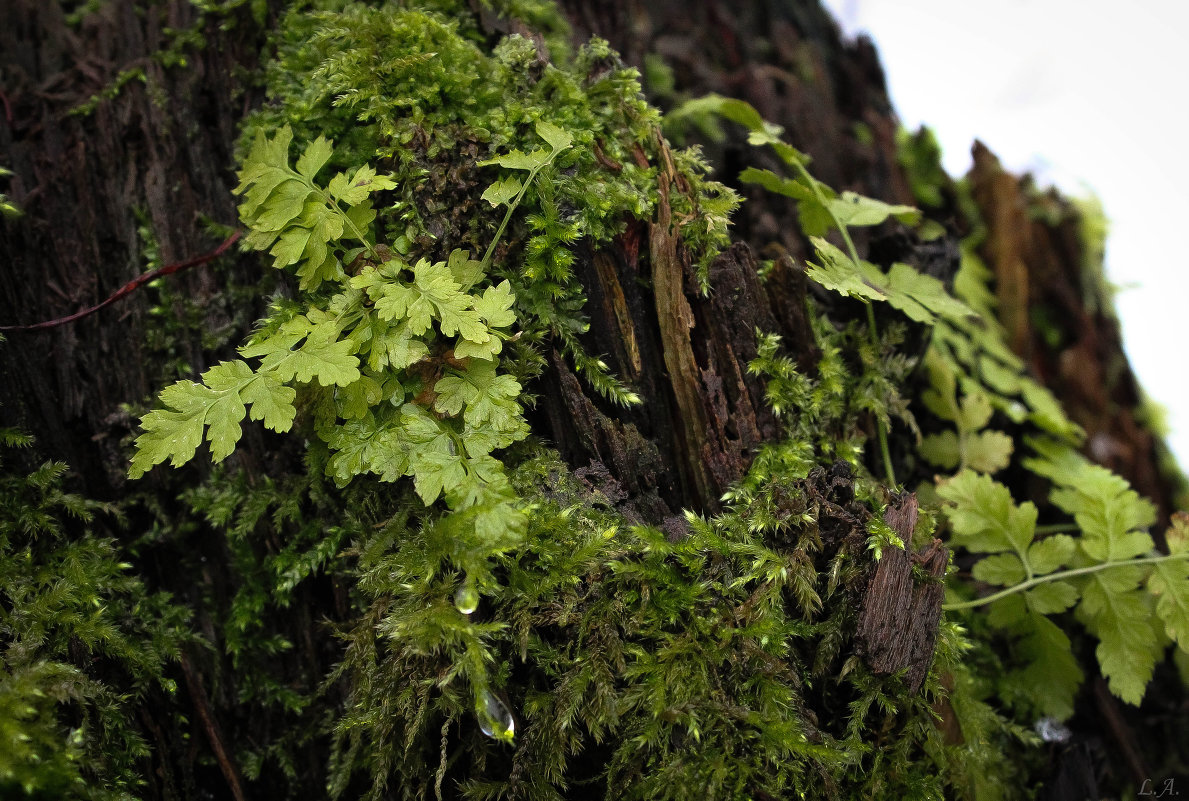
[
  {"x": 898, "y": 621},
  {"x": 163, "y": 146},
  {"x": 687, "y": 355}
]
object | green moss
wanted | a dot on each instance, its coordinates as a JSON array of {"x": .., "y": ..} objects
[
  {"x": 83, "y": 643},
  {"x": 637, "y": 667},
  {"x": 555, "y": 650}
]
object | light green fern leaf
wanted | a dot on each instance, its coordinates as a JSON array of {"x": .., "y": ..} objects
[
  {"x": 296, "y": 220},
  {"x": 218, "y": 406},
  {"x": 304, "y": 350},
  {"x": 1118, "y": 612}
]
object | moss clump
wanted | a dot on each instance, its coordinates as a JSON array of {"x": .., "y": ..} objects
[
  {"x": 83, "y": 644},
  {"x": 720, "y": 665}
]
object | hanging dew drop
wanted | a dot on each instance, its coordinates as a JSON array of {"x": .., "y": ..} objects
[
  {"x": 494, "y": 718},
  {"x": 466, "y": 599}
]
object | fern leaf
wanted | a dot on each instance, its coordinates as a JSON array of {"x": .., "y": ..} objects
[
  {"x": 1051, "y": 676},
  {"x": 1116, "y": 611},
  {"x": 1169, "y": 582},
  {"x": 216, "y": 405},
  {"x": 482, "y": 396},
  {"x": 855, "y": 209},
  {"x": 983, "y": 516},
  {"x": 320, "y": 355}
]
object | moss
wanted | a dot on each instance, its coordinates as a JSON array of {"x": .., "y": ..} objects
[
  {"x": 583, "y": 656},
  {"x": 719, "y": 665},
  {"x": 83, "y": 642}
]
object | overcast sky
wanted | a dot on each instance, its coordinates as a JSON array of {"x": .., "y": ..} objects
[{"x": 1089, "y": 96}]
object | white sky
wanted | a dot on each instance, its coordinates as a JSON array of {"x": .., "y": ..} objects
[{"x": 1090, "y": 96}]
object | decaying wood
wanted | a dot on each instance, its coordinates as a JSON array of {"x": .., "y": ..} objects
[
  {"x": 1076, "y": 348},
  {"x": 1009, "y": 238},
  {"x": 675, "y": 319},
  {"x": 898, "y": 621},
  {"x": 615, "y": 450}
]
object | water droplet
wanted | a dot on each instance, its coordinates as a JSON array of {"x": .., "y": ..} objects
[
  {"x": 494, "y": 718},
  {"x": 466, "y": 599},
  {"x": 1052, "y": 731}
]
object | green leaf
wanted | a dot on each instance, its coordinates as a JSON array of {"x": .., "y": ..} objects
[
  {"x": 284, "y": 204},
  {"x": 854, "y": 209},
  {"x": 451, "y": 307},
  {"x": 359, "y": 185},
  {"x": 1118, "y": 613},
  {"x": 434, "y": 460},
  {"x": 495, "y": 306},
  {"x": 1051, "y": 553},
  {"x": 321, "y": 354},
  {"x": 167, "y": 435},
  {"x": 270, "y": 401},
  {"x": 290, "y": 247},
  {"x": 1051, "y": 676},
  {"x": 983, "y": 516},
  {"x": 908, "y": 289},
  {"x": 368, "y": 445},
  {"x": 396, "y": 346},
  {"x": 1177, "y": 535},
  {"x": 483, "y": 483},
  {"x": 1051, "y": 598},
  {"x": 975, "y": 412},
  {"x": 433, "y": 293},
  {"x": 988, "y": 451},
  {"x": 815, "y": 217},
  {"x": 735, "y": 110},
  {"x": 465, "y": 349},
  {"x": 481, "y": 395},
  {"x": 1169, "y": 582},
  {"x": 518, "y": 160},
  {"x": 174, "y": 433},
  {"x": 1110, "y": 514},
  {"x": 941, "y": 449},
  {"x": 841, "y": 274},
  {"x": 315, "y": 156},
  {"x": 557, "y": 138},
  {"x": 466, "y": 271},
  {"x": 503, "y": 191},
  {"x": 1002, "y": 570},
  {"x": 789, "y": 187},
  {"x": 356, "y": 400},
  {"x": 1046, "y": 411}
]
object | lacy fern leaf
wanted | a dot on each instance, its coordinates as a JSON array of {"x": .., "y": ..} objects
[{"x": 218, "y": 405}]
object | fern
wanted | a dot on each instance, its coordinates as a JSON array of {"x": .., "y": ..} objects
[
  {"x": 1106, "y": 575},
  {"x": 384, "y": 320},
  {"x": 968, "y": 446}
]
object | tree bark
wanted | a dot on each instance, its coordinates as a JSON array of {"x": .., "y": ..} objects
[{"x": 159, "y": 155}]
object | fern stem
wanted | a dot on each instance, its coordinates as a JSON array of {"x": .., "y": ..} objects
[
  {"x": 329, "y": 198},
  {"x": 1062, "y": 574},
  {"x": 499, "y": 232},
  {"x": 872, "y": 330}
]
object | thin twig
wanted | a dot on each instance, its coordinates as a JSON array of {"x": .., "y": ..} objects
[
  {"x": 211, "y": 726},
  {"x": 129, "y": 287}
]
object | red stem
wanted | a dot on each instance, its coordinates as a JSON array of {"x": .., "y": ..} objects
[{"x": 129, "y": 287}]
